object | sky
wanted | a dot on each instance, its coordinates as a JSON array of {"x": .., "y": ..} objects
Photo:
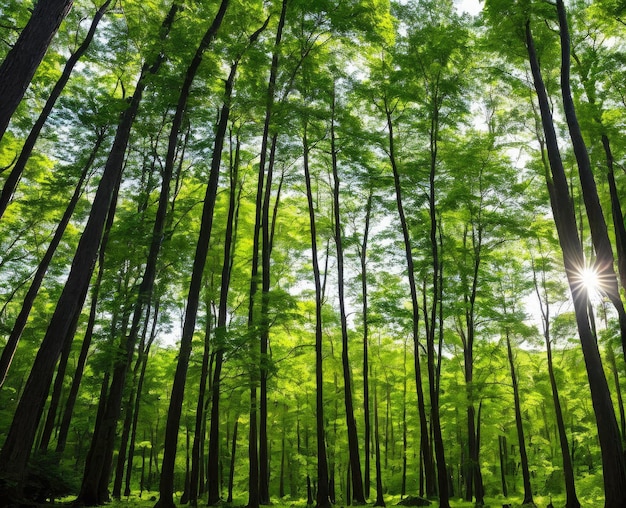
[{"x": 470, "y": 6}]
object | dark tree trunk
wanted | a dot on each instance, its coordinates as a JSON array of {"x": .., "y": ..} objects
[
  {"x": 568, "y": 469},
  {"x": 129, "y": 415},
  {"x": 231, "y": 471},
  {"x": 16, "y": 449},
  {"x": 604, "y": 263},
  {"x": 380, "y": 500},
  {"x": 265, "y": 182},
  {"x": 427, "y": 471},
  {"x": 565, "y": 220},
  {"x": 57, "y": 389},
  {"x": 11, "y": 182},
  {"x": 503, "y": 462},
  {"x": 166, "y": 484},
  {"x": 405, "y": 444},
  {"x": 20, "y": 64},
  {"x": 84, "y": 351},
  {"x": 199, "y": 427},
  {"x": 366, "y": 396},
  {"x": 353, "y": 444},
  {"x": 528, "y": 492},
  {"x": 323, "y": 492},
  {"x": 27, "y": 304},
  {"x": 142, "y": 375},
  {"x": 220, "y": 334}
]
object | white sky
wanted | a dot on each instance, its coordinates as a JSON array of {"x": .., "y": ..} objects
[{"x": 472, "y": 7}]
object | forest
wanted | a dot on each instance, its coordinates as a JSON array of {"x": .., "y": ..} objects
[{"x": 313, "y": 252}]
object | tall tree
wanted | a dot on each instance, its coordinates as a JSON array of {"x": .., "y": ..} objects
[
  {"x": 604, "y": 263},
  {"x": 573, "y": 258},
  {"x": 166, "y": 484},
  {"x": 11, "y": 182},
  {"x": 353, "y": 445},
  {"x": 19, "y": 66},
  {"x": 16, "y": 449},
  {"x": 323, "y": 487},
  {"x": 540, "y": 270}
]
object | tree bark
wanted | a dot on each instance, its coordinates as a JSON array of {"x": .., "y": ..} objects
[
  {"x": 166, "y": 485},
  {"x": 528, "y": 492},
  {"x": 142, "y": 376},
  {"x": 353, "y": 445},
  {"x": 323, "y": 491},
  {"x": 220, "y": 336},
  {"x": 604, "y": 262},
  {"x": 12, "y": 180},
  {"x": 426, "y": 457},
  {"x": 27, "y": 304},
  {"x": 20, "y": 64},
  {"x": 565, "y": 220}
]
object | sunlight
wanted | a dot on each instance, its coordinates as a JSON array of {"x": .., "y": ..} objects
[{"x": 590, "y": 280}]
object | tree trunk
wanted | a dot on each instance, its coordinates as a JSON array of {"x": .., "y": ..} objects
[
  {"x": 604, "y": 262},
  {"x": 323, "y": 492},
  {"x": 20, "y": 437},
  {"x": 503, "y": 462},
  {"x": 11, "y": 182},
  {"x": 380, "y": 500},
  {"x": 199, "y": 427},
  {"x": 528, "y": 493},
  {"x": 20, "y": 64},
  {"x": 565, "y": 220},
  {"x": 427, "y": 471},
  {"x": 27, "y": 304},
  {"x": 435, "y": 321},
  {"x": 129, "y": 415},
  {"x": 220, "y": 335},
  {"x": 231, "y": 471},
  {"x": 353, "y": 445},
  {"x": 166, "y": 485},
  {"x": 142, "y": 375},
  {"x": 366, "y": 402}
]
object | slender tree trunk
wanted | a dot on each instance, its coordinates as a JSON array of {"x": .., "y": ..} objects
[
  {"x": 568, "y": 469},
  {"x": 435, "y": 310},
  {"x": 262, "y": 215},
  {"x": 11, "y": 182},
  {"x": 20, "y": 437},
  {"x": 142, "y": 375},
  {"x": 528, "y": 492},
  {"x": 231, "y": 471},
  {"x": 128, "y": 415},
  {"x": 427, "y": 471},
  {"x": 323, "y": 491},
  {"x": 604, "y": 263},
  {"x": 405, "y": 444},
  {"x": 27, "y": 304},
  {"x": 57, "y": 389},
  {"x": 19, "y": 66},
  {"x": 380, "y": 500},
  {"x": 166, "y": 485},
  {"x": 220, "y": 334},
  {"x": 199, "y": 427},
  {"x": 608, "y": 432},
  {"x": 366, "y": 396},
  {"x": 353, "y": 445},
  {"x": 503, "y": 463}
]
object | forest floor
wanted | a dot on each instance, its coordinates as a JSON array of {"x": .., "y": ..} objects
[{"x": 149, "y": 500}]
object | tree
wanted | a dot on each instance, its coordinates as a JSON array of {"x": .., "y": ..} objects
[
  {"x": 16, "y": 449},
  {"x": 20, "y": 64}
]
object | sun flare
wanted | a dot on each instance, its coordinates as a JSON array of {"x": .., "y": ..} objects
[{"x": 590, "y": 280}]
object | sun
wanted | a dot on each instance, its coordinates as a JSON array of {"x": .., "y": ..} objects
[{"x": 590, "y": 280}]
